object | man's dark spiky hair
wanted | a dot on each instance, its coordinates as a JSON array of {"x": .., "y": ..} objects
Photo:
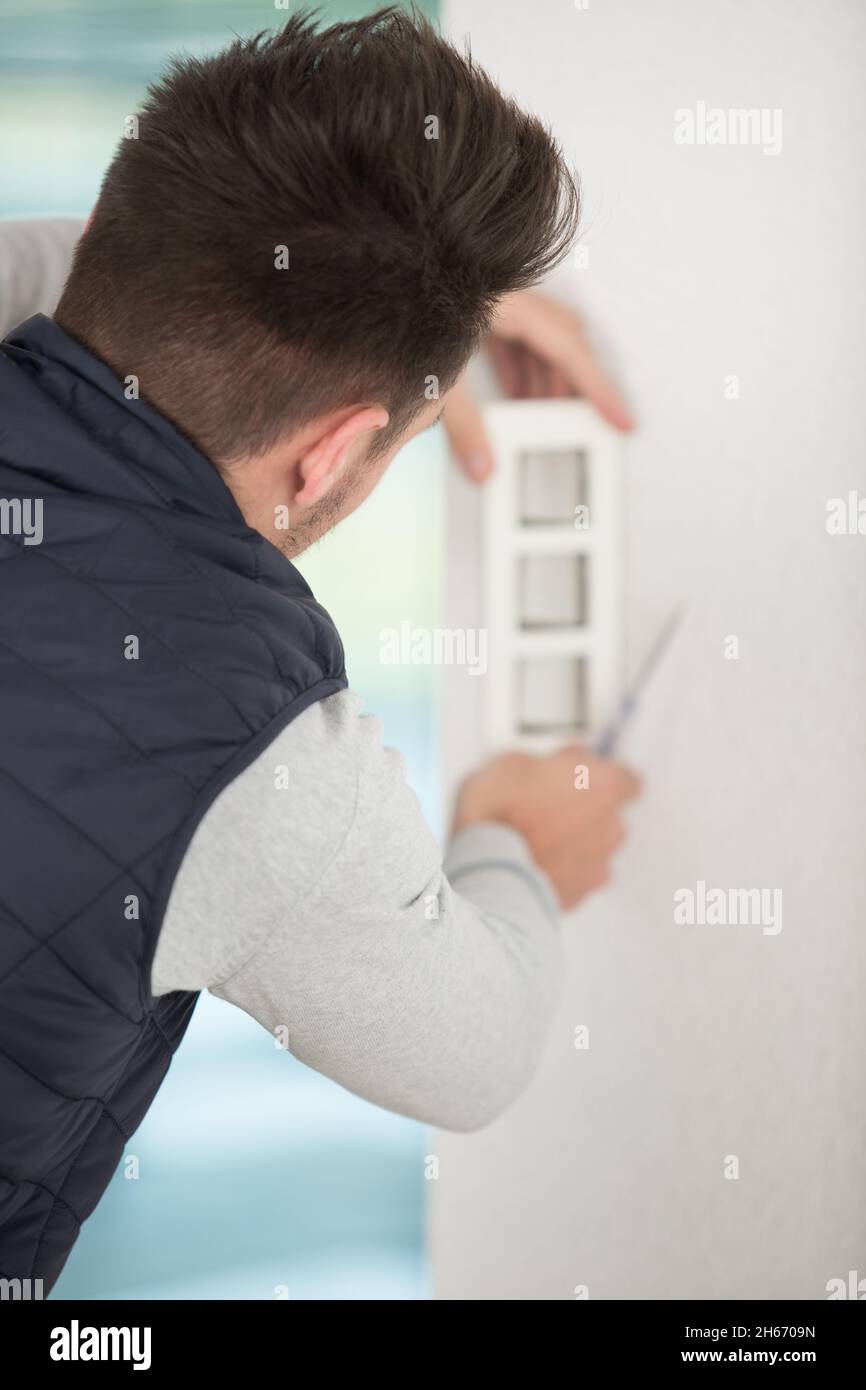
[{"x": 399, "y": 244}]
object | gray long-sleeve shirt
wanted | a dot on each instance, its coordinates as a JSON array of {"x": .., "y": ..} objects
[{"x": 314, "y": 897}]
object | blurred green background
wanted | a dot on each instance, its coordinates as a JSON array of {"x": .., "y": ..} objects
[{"x": 256, "y": 1174}]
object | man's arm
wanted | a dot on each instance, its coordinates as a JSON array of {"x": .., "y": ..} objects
[{"x": 314, "y": 897}]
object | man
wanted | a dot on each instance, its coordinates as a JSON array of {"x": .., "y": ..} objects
[{"x": 279, "y": 261}]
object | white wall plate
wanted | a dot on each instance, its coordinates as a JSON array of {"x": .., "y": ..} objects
[{"x": 552, "y": 573}]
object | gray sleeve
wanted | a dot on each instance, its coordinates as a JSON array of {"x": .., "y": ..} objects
[
  {"x": 35, "y": 259},
  {"x": 314, "y": 897}
]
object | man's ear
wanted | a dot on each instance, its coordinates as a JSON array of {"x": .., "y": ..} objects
[{"x": 324, "y": 462}]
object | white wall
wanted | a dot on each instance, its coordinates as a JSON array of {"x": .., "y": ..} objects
[{"x": 704, "y": 1042}]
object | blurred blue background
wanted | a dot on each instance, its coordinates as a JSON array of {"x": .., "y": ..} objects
[{"x": 257, "y": 1177}]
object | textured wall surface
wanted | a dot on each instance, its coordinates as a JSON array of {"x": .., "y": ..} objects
[{"x": 705, "y": 1042}]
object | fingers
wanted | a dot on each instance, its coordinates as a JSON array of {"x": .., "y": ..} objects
[
  {"x": 466, "y": 434},
  {"x": 506, "y": 359},
  {"x": 560, "y": 386},
  {"x": 555, "y": 334},
  {"x": 611, "y": 780},
  {"x": 575, "y": 360},
  {"x": 614, "y": 781},
  {"x": 579, "y": 867},
  {"x": 599, "y": 841},
  {"x": 575, "y": 881},
  {"x": 536, "y": 374},
  {"x": 523, "y": 374},
  {"x": 539, "y": 350},
  {"x": 611, "y": 835},
  {"x": 573, "y": 825},
  {"x": 625, "y": 783}
]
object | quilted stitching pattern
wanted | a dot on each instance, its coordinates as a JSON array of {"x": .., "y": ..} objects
[{"x": 107, "y": 764}]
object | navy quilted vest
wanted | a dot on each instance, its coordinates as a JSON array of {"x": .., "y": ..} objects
[{"x": 150, "y": 647}]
